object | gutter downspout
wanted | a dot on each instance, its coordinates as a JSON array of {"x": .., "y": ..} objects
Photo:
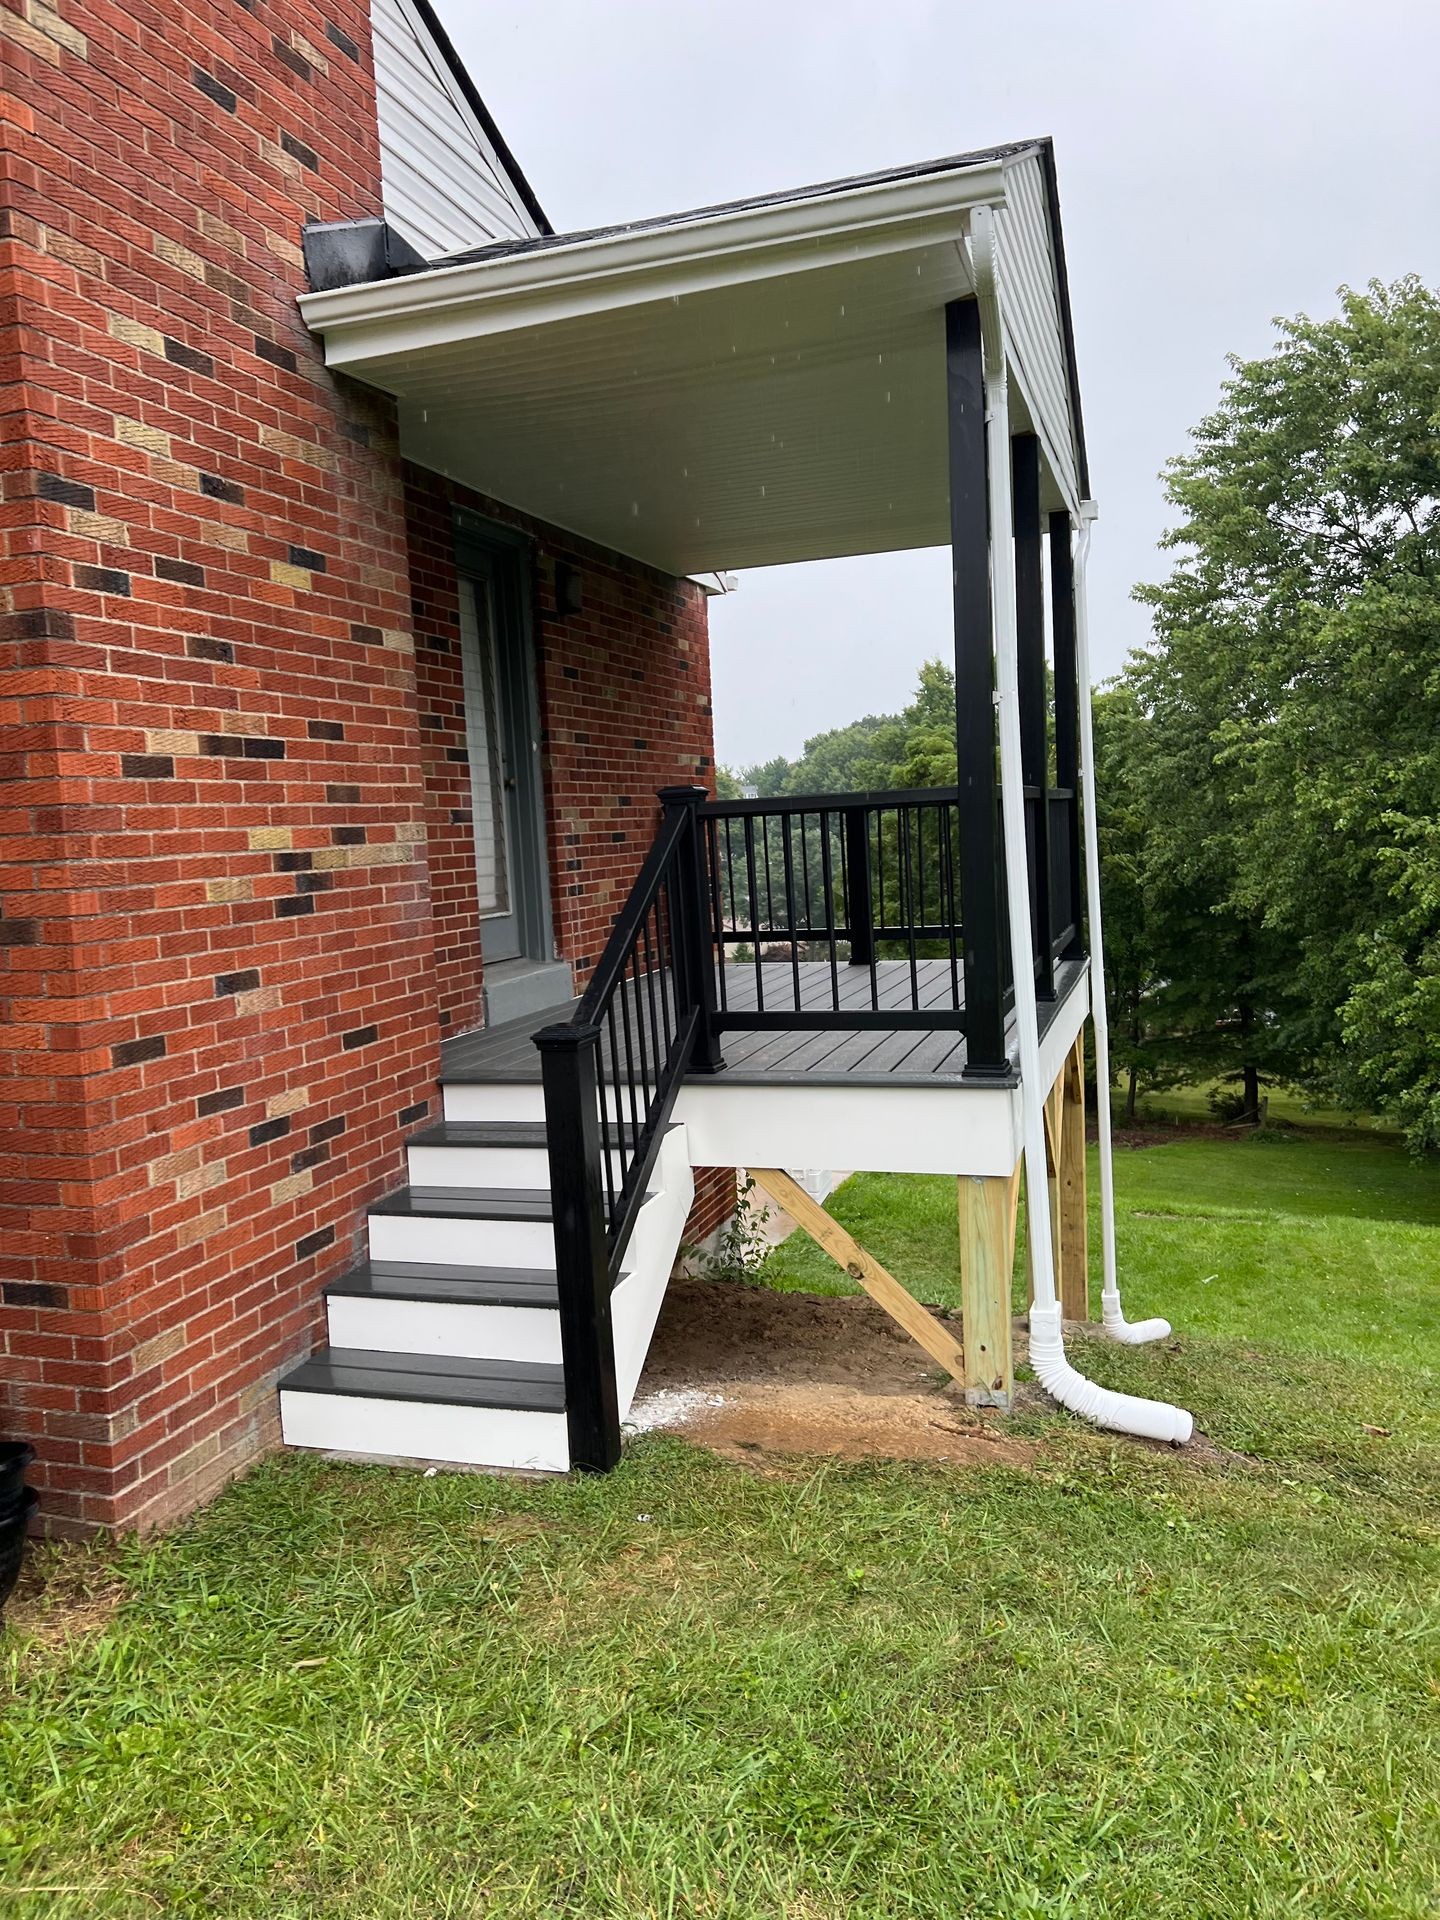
[
  {"x": 1122, "y": 1412},
  {"x": 1116, "y": 1325}
]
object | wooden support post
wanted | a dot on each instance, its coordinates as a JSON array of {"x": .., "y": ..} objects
[
  {"x": 1072, "y": 1220},
  {"x": 847, "y": 1252},
  {"x": 988, "y": 1207},
  {"x": 1054, "y": 1108},
  {"x": 1051, "y": 1113}
]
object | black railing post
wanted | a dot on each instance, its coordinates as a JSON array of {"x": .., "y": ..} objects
[
  {"x": 694, "y": 957},
  {"x": 569, "y": 1071},
  {"x": 859, "y": 906},
  {"x": 980, "y": 855},
  {"x": 1067, "y": 721},
  {"x": 1030, "y": 666}
]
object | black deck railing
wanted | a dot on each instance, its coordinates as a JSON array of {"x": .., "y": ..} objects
[
  {"x": 852, "y": 881},
  {"x": 825, "y": 911},
  {"x": 610, "y": 1076}
]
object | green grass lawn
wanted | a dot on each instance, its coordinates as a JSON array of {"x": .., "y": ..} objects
[{"x": 1116, "y": 1682}]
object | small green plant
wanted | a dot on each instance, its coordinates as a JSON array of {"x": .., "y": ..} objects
[
  {"x": 1230, "y": 1108},
  {"x": 742, "y": 1246}
]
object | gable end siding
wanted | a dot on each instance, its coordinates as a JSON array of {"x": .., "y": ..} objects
[
  {"x": 445, "y": 186},
  {"x": 1034, "y": 334}
]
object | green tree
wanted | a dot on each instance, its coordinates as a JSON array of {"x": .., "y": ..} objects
[
  {"x": 1293, "y": 695},
  {"x": 1132, "y": 929}
]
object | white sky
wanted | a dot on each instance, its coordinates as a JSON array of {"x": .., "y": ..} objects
[{"x": 1220, "y": 162}]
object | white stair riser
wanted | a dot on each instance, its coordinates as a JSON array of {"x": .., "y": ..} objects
[
  {"x": 485, "y": 1167},
  {"x": 465, "y": 1243},
  {"x": 454, "y": 1328},
  {"x": 421, "y": 1430},
  {"x": 513, "y": 1101}
]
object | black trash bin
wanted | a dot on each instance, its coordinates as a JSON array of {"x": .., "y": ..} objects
[
  {"x": 15, "y": 1459},
  {"x": 17, "y": 1506}
]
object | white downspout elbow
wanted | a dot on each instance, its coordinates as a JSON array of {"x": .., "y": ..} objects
[{"x": 1121, "y": 1412}]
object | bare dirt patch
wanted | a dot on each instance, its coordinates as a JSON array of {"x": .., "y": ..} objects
[
  {"x": 66, "y": 1592},
  {"x": 748, "y": 1371}
]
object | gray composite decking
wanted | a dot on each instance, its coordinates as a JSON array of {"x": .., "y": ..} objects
[{"x": 792, "y": 1055}]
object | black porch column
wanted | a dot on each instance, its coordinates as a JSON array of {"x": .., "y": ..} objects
[
  {"x": 974, "y": 693},
  {"x": 1030, "y": 667},
  {"x": 1067, "y": 719}
]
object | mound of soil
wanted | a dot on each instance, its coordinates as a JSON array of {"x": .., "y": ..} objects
[{"x": 744, "y": 1370}]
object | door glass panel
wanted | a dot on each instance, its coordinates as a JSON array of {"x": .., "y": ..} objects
[{"x": 488, "y": 784}]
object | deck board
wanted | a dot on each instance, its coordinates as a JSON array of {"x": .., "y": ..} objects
[{"x": 828, "y": 1056}]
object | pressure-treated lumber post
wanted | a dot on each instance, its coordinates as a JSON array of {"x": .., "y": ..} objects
[
  {"x": 1071, "y": 1218},
  {"x": 987, "y": 1257},
  {"x": 846, "y": 1252},
  {"x": 1052, "y": 1113}
]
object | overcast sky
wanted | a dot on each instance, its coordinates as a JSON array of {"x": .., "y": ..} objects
[{"x": 1220, "y": 162}]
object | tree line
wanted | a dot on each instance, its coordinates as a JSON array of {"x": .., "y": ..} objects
[{"x": 1269, "y": 764}]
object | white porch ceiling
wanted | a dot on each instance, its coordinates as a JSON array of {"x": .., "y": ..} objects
[{"x": 745, "y": 388}]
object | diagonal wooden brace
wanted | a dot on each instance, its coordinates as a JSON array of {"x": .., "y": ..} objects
[{"x": 846, "y": 1252}]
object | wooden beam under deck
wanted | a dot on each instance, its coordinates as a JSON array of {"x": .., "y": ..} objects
[{"x": 846, "y": 1252}]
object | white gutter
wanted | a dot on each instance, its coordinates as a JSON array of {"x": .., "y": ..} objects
[
  {"x": 604, "y": 271},
  {"x": 1122, "y": 1412},
  {"x": 1112, "y": 1313}
]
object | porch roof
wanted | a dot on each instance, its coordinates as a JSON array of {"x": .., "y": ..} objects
[{"x": 739, "y": 386}]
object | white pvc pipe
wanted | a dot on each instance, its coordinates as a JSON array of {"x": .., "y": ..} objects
[
  {"x": 1112, "y": 1313},
  {"x": 1151, "y": 1419}
]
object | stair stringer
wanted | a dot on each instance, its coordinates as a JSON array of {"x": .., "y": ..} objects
[{"x": 649, "y": 1261}]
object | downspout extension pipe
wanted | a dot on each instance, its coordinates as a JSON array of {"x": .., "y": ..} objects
[
  {"x": 1120, "y": 1412},
  {"x": 1116, "y": 1326}
]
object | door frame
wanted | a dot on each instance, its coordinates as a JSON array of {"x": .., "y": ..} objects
[{"x": 504, "y": 556}]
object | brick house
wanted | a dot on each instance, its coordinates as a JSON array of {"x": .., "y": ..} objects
[{"x": 351, "y": 619}]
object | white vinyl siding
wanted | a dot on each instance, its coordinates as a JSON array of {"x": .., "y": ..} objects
[
  {"x": 445, "y": 188},
  {"x": 1032, "y": 317}
]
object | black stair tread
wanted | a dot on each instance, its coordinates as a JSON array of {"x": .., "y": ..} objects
[
  {"x": 495, "y": 1133},
  {"x": 468, "y": 1203},
  {"x": 428, "y": 1280},
  {"x": 523, "y": 1386}
]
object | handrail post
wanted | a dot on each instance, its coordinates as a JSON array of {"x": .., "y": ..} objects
[
  {"x": 569, "y": 1072},
  {"x": 695, "y": 968},
  {"x": 859, "y": 907}
]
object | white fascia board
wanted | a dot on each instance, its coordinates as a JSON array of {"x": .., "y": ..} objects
[{"x": 508, "y": 291}]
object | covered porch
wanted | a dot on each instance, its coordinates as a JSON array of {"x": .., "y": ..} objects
[{"x": 881, "y": 980}]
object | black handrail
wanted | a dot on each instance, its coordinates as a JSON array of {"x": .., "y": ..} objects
[
  {"x": 831, "y": 911},
  {"x": 610, "y": 1075}
]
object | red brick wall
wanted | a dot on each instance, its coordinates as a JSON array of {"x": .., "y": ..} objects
[
  {"x": 215, "y": 948},
  {"x": 218, "y": 1015},
  {"x": 625, "y": 709}
]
